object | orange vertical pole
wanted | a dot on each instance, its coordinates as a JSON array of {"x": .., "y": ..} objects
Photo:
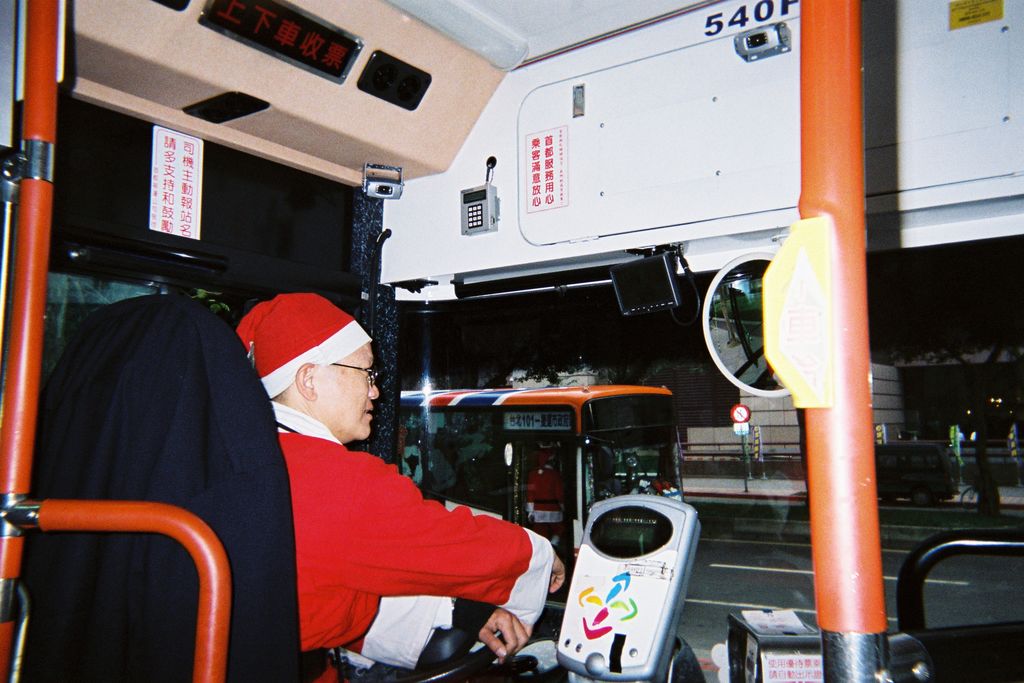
[
  {"x": 841, "y": 468},
  {"x": 24, "y": 355}
]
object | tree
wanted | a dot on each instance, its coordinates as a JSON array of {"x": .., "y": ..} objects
[{"x": 957, "y": 305}]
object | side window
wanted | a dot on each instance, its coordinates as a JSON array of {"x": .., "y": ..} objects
[
  {"x": 411, "y": 448},
  {"x": 463, "y": 462},
  {"x": 605, "y": 474},
  {"x": 613, "y": 471},
  {"x": 70, "y": 299},
  {"x": 427, "y": 452},
  {"x": 618, "y": 471}
]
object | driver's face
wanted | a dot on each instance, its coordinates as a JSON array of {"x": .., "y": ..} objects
[{"x": 345, "y": 398}]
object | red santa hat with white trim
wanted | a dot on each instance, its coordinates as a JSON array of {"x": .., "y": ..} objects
[{"x": 291, "y": 330}]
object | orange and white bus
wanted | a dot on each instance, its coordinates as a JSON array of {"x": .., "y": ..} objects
[{"x": 483, "y": 448}]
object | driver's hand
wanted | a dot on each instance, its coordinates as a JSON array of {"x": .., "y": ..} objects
[
  {"x": 504, "y": 634},
  {"x": 557, "y": 575}
]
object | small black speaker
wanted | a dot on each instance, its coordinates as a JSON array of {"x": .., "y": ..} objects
[
  {"x": 394, "y": 81},
  {"x": 177, "y": 5},
  {"x": 226, "y": 107}
]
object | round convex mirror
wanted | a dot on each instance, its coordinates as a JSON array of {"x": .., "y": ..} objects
[{"x": 734, "y": 325}]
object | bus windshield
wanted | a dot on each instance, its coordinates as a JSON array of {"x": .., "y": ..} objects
[
  {"x": 630, "y": 448},
  {"x": 539, "y": 457}
]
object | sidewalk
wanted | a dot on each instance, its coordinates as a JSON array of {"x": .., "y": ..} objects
[
  {"x": 773, "y": 508},
  {"x": 782, "y": 490}
]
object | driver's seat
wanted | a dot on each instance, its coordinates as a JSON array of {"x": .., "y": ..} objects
[{"x": 154, "y": 400}]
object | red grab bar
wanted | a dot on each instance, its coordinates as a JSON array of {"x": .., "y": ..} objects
[{"x": 213, "y": 619}]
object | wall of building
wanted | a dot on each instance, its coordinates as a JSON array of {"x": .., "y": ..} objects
[{"x": 777, "y": 419}]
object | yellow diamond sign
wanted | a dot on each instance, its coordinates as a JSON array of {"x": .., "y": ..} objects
[{"x": 798, "y": 313}]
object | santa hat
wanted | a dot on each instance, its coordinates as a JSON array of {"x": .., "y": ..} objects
[{"x": 290, "y": 330}]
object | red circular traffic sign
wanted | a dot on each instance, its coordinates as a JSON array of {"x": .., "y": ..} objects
[{"x": 739, "y": 413}]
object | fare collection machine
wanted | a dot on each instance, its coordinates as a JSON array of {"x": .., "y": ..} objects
[{"x": 628, "y": 590}]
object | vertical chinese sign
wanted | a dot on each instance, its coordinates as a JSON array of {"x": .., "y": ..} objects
[
  {"x": 176, "y": 183},
  {"x": 547, "y": 158}
]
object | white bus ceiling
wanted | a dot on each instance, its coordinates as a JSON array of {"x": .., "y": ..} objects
[
  {"x": 667, "y": 134},
  {"x": 682, "y": 141}
]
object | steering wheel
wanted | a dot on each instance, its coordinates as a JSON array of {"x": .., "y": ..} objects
[
  {"x": 458, "y": 669},
  {"x": 447, "y": 658},
  {"x": 684, "y": 668}
]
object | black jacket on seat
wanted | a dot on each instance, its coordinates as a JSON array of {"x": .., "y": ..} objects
[{"x": 154, "y": 400}]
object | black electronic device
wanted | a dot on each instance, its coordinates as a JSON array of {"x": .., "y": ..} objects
[
  {"x": 647, "y": 284},
  {"x": 394, "y": 81},
  {"x": 479, "y": 209}
]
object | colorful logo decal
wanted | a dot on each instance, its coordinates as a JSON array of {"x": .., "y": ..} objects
[{"x": 594, "y": 629}]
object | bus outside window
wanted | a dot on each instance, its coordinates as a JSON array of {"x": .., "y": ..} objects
[
  {"x": 70, "y": 298},
  {"x": 483, "y": 449}
]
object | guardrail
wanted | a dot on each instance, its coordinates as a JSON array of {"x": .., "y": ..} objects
[{"x": 996, "y": 449}]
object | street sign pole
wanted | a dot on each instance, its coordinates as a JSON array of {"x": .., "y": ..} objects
[
  {"x": 740, "y": 415},
  {"x": 1013, "y": 446},
  {"x": 758, "y": 452},
  {"x": 746, "y": 463}
]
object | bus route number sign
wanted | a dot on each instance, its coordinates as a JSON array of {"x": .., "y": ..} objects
[
  {"x": 759, "y": 12},
  {"x": 538, "y": 421}
]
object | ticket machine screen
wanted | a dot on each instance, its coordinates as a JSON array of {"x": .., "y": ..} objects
[{"x": 630, "y": 531}]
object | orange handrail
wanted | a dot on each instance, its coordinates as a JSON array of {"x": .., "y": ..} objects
[
  {"x": 24, "y": 358},
  {"x": 845, "y": 535},
  {"x": 24, "y": 353},
  {"x": 22, "y": 381},
  {"x": 214, "y": 616}
]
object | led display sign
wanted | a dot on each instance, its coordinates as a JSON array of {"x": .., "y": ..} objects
[
  {"x": 286, "y": 33},
  {"x": 536, "y": 421}
]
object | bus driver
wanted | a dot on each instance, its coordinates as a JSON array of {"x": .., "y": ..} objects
[{"x": 372, "y": 555}]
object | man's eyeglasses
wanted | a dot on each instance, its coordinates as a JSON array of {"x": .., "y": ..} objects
[{"x": 371, "y": 373}]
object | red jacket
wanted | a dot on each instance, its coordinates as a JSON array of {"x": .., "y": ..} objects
[
  {"x": 363, "y": 531},
  {"x": 544, "y": 495}
]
